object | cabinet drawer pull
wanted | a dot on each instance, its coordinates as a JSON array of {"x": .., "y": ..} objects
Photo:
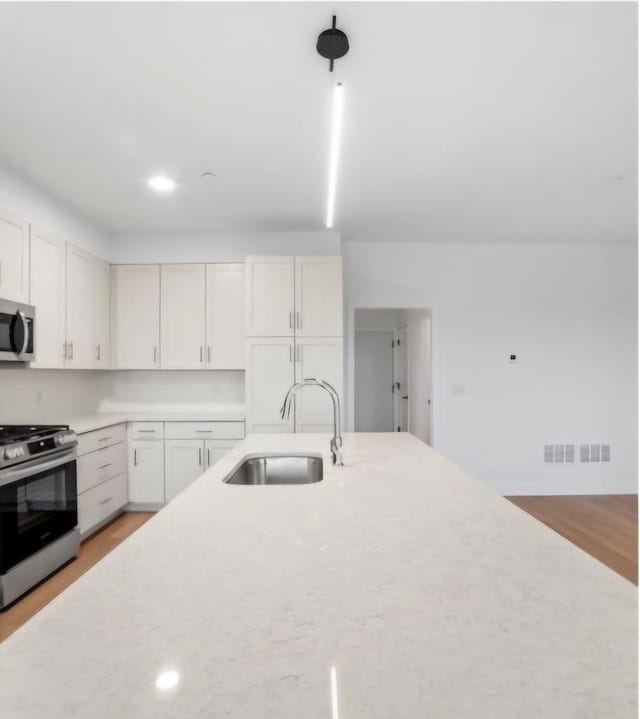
[
  {"x": 104, "y": 501},
  {"x": 104, "y": 466},
  {"x": 204, "y": 431},
  {"x": 146, "y": 431},
  {"x": 104, "y": 439}
]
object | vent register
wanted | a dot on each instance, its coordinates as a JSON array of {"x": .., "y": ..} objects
[{"x": 566, "y": 453}]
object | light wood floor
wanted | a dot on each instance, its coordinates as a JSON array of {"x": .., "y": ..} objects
[
  {"x": 606, "y": 527},
  {"x": 92, "y": 551}
]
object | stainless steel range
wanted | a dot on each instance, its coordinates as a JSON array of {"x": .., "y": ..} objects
[{"x": 38, "y": 505}]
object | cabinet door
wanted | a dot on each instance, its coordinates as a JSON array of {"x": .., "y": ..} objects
[
  {"x": 216, "y": 449},
  {"x": 146, "y": 472},
  {"x": 14, "y": 259},
  {"x": 183, "y": 462},
  {"x": 225, "y": 316},
  {"x": 80, "y": 309},
  {"x": 182, "y": 317},
  {"x": 135, "y": 316},
  {"x": 269, "y": 296},
  {"x": 48, "y": 297},
  {"x": 102, "y": 313},
  {"x": 319, "y": 297},
  {"x": 322, "y": 359},
  {"x": 270, "y": 374}
]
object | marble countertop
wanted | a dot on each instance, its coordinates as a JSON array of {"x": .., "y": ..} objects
[{"x": 396, "y": 588}]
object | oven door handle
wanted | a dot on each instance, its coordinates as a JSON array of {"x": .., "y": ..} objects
[{"x": 20, "y": 471}]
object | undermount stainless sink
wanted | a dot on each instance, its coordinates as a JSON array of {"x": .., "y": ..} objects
[{"x": 268, "y": 469}]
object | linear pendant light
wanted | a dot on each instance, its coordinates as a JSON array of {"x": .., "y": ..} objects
[{"x": 334, "y": 150}]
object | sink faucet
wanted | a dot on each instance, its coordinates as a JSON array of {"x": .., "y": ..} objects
[{"x": 336, "y": 442}]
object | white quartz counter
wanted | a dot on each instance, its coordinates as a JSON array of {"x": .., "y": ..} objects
[
  {"x": 423, "y": 593},
  {"x": 99, "y": 420}
]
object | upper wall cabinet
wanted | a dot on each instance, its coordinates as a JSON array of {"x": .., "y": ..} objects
[
  {"x": 135, "y": 316},
  {"x": 318, "y": 284},
  {"x": 225, "y": 316},
  {"x": 14, "y": 259},
  {"x": 183, "y": 317},
  {"x": 269, "y": 299},
  {"x": 80, "y": 310},
  {"x": 102, "y": 292},
  {"x": 288, "y": 296},
  {"x": 48, "y": 261}
]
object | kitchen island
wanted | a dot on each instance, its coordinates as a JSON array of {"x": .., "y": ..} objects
[{"x": 397, "y": 587}]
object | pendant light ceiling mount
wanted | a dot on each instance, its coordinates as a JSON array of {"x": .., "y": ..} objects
[{"x": 332, "y": 44}]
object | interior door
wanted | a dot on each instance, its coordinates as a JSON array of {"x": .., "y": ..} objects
[
  {"x": 318, "y": 311},
  {"x": 270, "y": 374},
  {"x": 80, "y": 309},
  {"x": 102, "y": 313},
  {"x": 135, "y": 316},
  {"x": 321, "y": 359},
  {"x": 14, "y": 259},
  {"x": 400, "y": 371},
  {"x": 183, "y": 462},
  {"x": 373, "y": 370},
  {"x": 48, "y": 297},
  {"x": 269, "y": 296},
  {"x": 225, "y": 316}
]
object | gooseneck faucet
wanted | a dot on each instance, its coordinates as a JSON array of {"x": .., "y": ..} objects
[{"x": 336, "y": 442}]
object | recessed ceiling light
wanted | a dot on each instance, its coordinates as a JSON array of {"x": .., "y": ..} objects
[
  {"x": 161, "y": 183},
  {"x": 334, "y": 151},
  {"x": 169, "y": 679}
]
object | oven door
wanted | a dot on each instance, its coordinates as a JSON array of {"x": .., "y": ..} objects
[
  {"x": 38, "y": 504},
  {"x": 16, "y": 331}
]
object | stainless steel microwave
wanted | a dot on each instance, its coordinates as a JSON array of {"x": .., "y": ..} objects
[{"x": 17, "y": 327}]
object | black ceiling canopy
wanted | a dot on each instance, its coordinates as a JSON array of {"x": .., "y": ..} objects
[{"x": 332, "y": 44}]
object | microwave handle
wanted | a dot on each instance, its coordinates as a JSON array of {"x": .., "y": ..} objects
[{"x": 25, "y": 325}]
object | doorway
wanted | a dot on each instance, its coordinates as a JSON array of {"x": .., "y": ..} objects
[{"x": 392, "y": 371}]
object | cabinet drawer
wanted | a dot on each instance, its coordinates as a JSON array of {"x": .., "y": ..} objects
[
  {"x": 98, "y": 503},
  {"x": 101, "y": 438},
  {"x": 97, "y": 467},
  {"x": 204, "y": 430},
  {"x": 147, "y": 430}
]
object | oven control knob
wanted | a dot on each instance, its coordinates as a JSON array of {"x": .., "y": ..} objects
[
  {"x": 13, "y": 452},
  {"x": 62, "y": 439}
]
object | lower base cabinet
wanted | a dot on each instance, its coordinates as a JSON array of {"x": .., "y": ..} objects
[
  {"x": 98, "y": 504},
  {"x": 164, "y": 458},
  {"x": 183, "y": 462},
  {"x": 146, "y": 472}
]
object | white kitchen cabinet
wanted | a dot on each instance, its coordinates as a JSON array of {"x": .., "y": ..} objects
[
  {"x": 146, "y": 475},
  {"x": 318, "y": 296},
  {"x": 183, "y": 317},
  {"x": 80, "y": 309},
  {"x": 48, "y": 287},
  {"x": 135, "y": 316},
  {"x": 14, "y": 259},
  {"x": 216, "y": 449},
  {"x": 320, "y": 358},
  {"x": 269, "y": 298},
  {"x": 102, "y": 310},
  {"x": 270, "y": 373},
  {"x": 183, "y": 462},
  {"x": 225, "y": 316}
]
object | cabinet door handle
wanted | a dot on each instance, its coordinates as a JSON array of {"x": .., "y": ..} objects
[
  {"x": 155, "y": 355},
  {"x": 98, "y": 352},
  {"x": 71, "y": 348},
  {"x": 208, "y": 457},
  {"x": 135, "y": 457},
  {"x": 200, "y": 456},
  {"x": 200, "y": 354},
  {"x": 290, "y": 320},
  {"x": 64, "y": 350},
  {"x": 208, "y": 353},
  {"x": 298, "y": 321},
  {"x": 290, "y": 353}
]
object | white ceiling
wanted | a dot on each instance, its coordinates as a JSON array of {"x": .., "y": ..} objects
[{"x": 463, "y": 121}]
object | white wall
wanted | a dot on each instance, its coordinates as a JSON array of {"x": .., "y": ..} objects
[
  {"x": 21, "y": 198},
  {"x": 219, "y": 246},
  {"x": 568, "y": 312},
  {"x": 37, "y": 396}
]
